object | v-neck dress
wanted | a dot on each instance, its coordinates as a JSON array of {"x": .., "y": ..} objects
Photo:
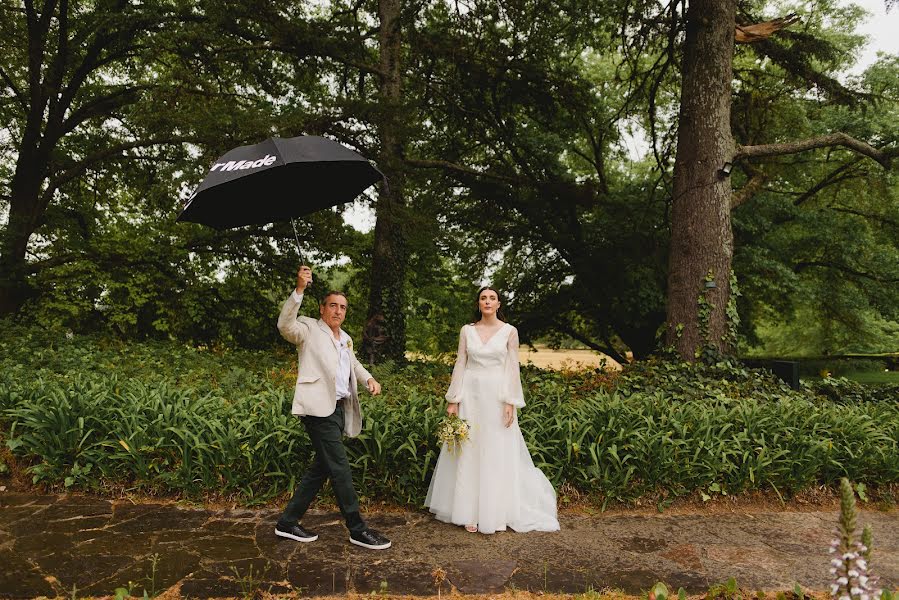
[{"x": 491, "y": 481}]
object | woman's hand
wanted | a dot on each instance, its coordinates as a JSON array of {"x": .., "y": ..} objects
[
  {"x": 452, "y": 409},
  {"x": 508, "y": 414}
]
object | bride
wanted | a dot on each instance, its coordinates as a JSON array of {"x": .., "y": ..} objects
[{"x": 490, "y": 483}]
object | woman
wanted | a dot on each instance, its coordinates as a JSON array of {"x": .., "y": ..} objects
[{"x": 490, "y": 483}]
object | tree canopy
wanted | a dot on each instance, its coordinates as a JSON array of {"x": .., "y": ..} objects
[{"x": 530, "y": 143}]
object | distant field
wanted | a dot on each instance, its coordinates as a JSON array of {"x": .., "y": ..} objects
[{"x": 547, "y": 358}]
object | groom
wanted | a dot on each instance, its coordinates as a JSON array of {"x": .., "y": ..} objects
[{"x": 327, "y": 401}]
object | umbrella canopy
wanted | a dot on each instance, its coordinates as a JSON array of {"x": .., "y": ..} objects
[{"x": 277, "y": 180}]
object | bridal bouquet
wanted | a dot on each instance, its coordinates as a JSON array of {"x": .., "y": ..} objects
[{"x": 452, "y": 431}]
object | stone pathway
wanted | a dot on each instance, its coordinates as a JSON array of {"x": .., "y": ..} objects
[{"x": 48, "y": 544}]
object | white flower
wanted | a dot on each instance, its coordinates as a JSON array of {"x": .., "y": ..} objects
[
  {"x": 842, "y": 581},
  {"x": 855, "y": 591},
  {"x": 833, "y": 570},
  {"x": 834, "y": 588},
  {"x": 836, "y": 562},
  {"x": 852, "y": 573},
  {"x": 862, "y": 580}
]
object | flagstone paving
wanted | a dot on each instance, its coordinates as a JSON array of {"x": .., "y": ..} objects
[{"x": 48, "y": 544}]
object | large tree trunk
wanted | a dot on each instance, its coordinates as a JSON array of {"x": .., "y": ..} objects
[
  {"x": 384, "y": 336},
  {"x": 701, "y": 236},
  {"x": 25, "y": 213},
  {"x": 14, "y": 288}
]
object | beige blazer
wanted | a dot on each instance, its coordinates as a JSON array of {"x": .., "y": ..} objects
[{"x": 316, "y": 390}]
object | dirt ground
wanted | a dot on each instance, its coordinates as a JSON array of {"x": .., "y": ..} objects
[{"x": 52, "y": 544}]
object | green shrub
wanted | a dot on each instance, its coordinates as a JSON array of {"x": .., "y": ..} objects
[{"x": 171, "y": 419}]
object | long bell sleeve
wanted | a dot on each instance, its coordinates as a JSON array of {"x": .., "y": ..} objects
[
  {"x": 454, "y": 394},
  {"x": 512, "y": 392}
]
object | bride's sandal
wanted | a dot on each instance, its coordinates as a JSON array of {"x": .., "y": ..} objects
[{"x": 471, "y": 528}]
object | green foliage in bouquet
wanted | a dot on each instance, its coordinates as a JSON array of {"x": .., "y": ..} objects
[{"x": 453, "y": 432}]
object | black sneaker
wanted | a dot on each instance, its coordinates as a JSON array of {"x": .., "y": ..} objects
[
  {"x": 370, "y": 539},
  {"x": 295, "y": 532}
]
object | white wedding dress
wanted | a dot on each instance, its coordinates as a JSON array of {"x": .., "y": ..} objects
[{"x": 491, "y": 480}]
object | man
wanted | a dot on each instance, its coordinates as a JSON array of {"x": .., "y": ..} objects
[{"x": 327, "y": 400}]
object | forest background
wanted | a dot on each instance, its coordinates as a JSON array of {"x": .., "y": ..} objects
[
  {"x": 695, "y": 180},
  {"x": 508, "y": 132}
]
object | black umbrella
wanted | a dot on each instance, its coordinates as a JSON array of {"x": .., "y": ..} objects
[{"x": 277, "y": 180}]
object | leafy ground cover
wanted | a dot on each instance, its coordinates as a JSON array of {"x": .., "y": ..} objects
[{"x": 163, "y": 418}]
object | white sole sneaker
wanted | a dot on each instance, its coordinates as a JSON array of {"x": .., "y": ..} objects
[
  {"x": 371, "y": 546},
  {"x": 289, "y": 536}
]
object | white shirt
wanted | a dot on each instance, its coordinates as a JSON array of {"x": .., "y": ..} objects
[{"x": 342, "y": 381}]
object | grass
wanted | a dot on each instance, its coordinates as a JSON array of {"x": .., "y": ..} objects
[{"x": 874, "y": 377}]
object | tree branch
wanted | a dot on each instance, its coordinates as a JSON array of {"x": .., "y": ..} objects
[
  {"x": 801, "y": 266},
  {"x": 831, "y": 178},
  {"x": 834, "y": 139},
  {"x": 82, "y": 165},
  {"x": 54, "y": 261},
  {"x": 16, "y": 91},
  {"x": 754, "y": 32},
  {"x": 102, "y": 106},
  {"x": 865, "y": 215},
  {"x": 748, "y": 190},
  {"x": 57, "y": 69},
  {"x": 607, "y": 350},
  {"x": 461, "y": 169}
]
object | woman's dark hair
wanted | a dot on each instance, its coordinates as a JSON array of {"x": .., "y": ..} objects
[{"x": 477, "y": 309}]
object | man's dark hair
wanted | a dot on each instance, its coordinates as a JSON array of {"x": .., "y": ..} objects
[{"x": 333, "y": 293}]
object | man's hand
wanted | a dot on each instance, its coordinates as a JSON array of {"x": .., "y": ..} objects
[
  {"x": 452, "y": 409},
  {"x": 374, "y": 387},
  {"x": 304, "y": 278},
  {"x": 508, "y": 414}
]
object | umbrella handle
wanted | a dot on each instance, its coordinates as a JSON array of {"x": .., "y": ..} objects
[{"x": 296, "y": 237}]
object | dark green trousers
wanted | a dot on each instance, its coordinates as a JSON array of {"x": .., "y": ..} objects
[{"x": 330, "y": 461}]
